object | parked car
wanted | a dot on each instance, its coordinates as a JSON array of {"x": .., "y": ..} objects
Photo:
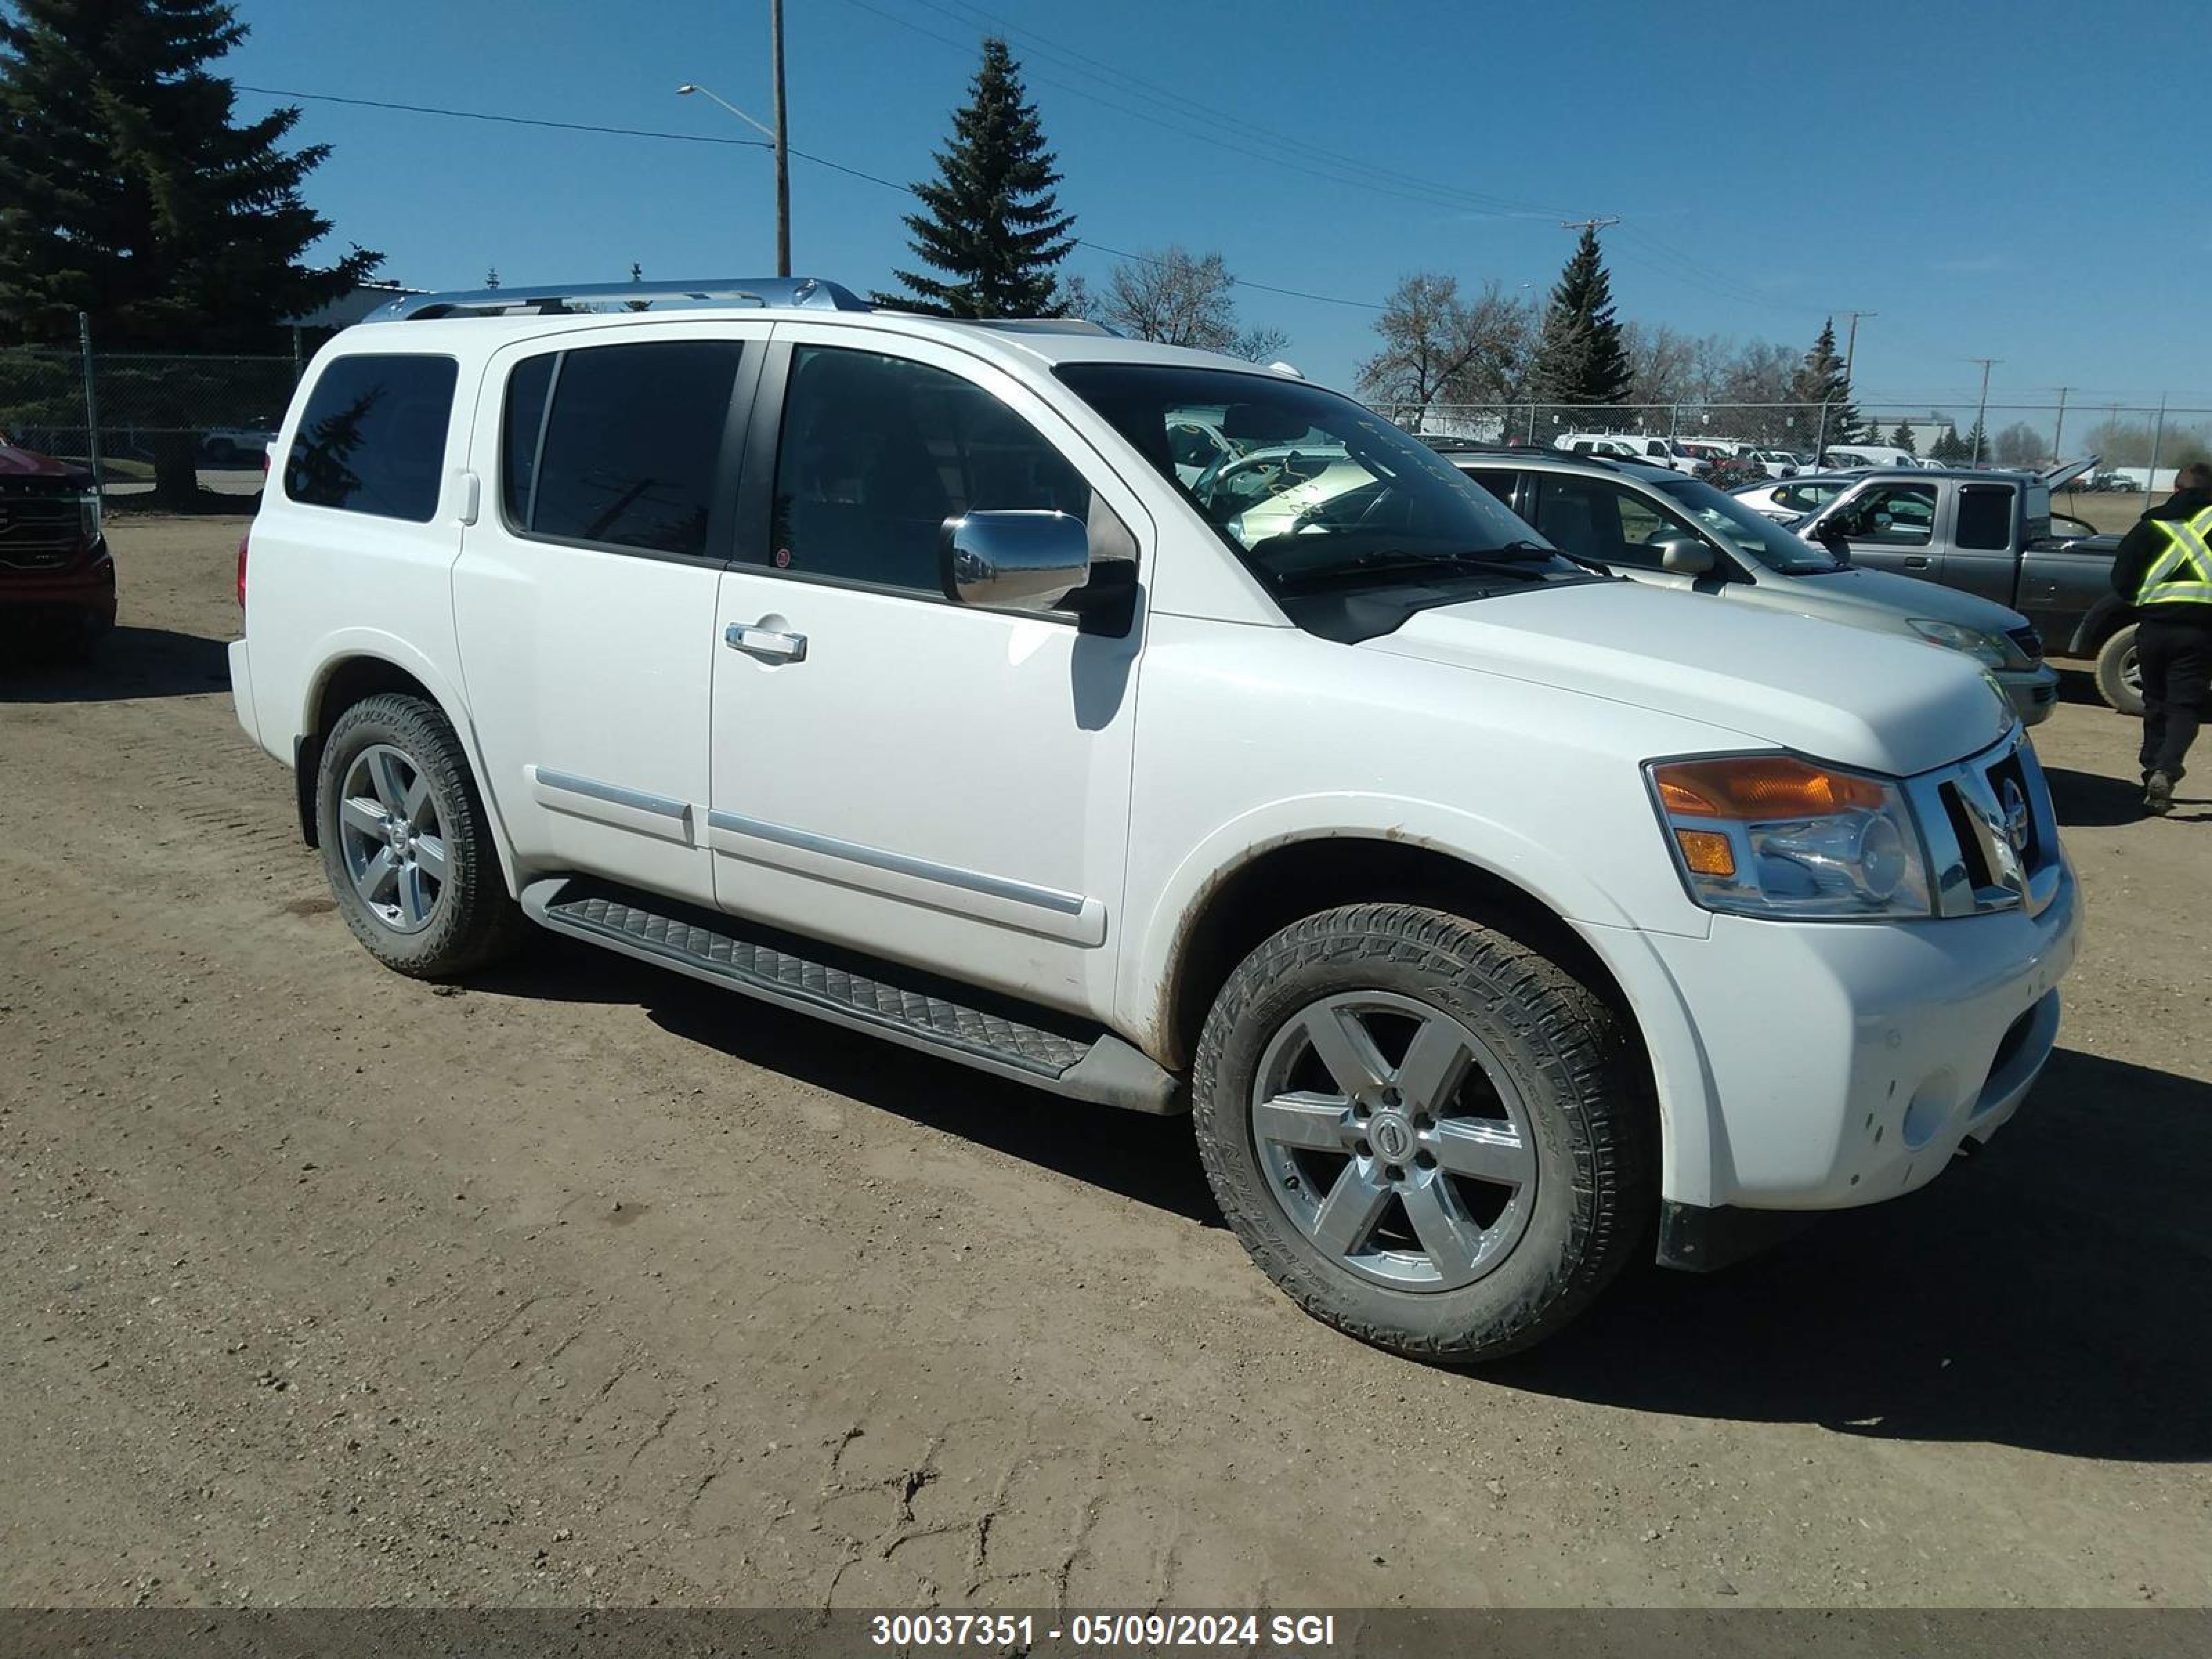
[
  {"x": 1778, "y": 463},
  {"x": 1492, "y": 917},
  {"x": 238, "y": 446},
  {"x": 1661, "y": 528},
  {"x": 1793, "y": 498},
  {"x": 1843, "y": 455},
  {"x": 1629, "y": 446},
  {"x": 56, "y": 576},
  {"x": 1991, "y": 534}
]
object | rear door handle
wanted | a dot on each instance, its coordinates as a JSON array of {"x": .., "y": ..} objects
[
  {"x": 765, "y": 643},
  {"x": 1916, "y": 561}
]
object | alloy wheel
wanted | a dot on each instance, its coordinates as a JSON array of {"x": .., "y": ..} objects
[
  {"x": 1394, "y": 1142},
  {"x": 393, "y": 838}
]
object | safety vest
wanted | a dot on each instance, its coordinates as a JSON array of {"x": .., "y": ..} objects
[{"x": 2182, "y": 575}]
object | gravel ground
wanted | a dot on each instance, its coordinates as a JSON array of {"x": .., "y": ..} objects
[{"x": 586, "y": 1284}]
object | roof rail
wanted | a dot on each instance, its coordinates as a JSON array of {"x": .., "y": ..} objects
[{"x": 555, "y": 299}]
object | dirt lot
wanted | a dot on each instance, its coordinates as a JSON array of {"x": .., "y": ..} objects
[
  {"x": 588, "y": 1284},
  {"x": 2108, "y": 510}
]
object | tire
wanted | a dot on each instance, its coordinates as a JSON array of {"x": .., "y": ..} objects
[
  {"x": 2118, "y": 677},
  {"x": 1549, "y": 1105},
  {"x": 80, "y": 640},
  {"x": 390, "y": 751}
]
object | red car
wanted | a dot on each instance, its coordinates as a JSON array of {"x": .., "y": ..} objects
[{"x": 56, "y": 578}]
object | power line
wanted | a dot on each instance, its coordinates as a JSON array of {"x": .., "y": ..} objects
[{"x": 749, "y": 143}]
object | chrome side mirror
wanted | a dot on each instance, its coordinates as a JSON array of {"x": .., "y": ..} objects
[
  {"x": 1013, "y": 561},
  {"x": 1684, "y": 556}
]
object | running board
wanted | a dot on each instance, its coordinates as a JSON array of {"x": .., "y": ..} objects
[{"x": 904, "y": 1005}]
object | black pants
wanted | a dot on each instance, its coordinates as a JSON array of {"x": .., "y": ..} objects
[{"x": 2176, "y": 685}]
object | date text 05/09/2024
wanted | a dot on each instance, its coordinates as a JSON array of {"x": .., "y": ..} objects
[{"x": 1146, "y": 1631}]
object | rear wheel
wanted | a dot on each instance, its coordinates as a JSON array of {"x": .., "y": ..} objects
[
  {"x": 2119, "y": 672},
  {"x": 406, "y": 843},
  {"x": 1429, "y": 1135}
]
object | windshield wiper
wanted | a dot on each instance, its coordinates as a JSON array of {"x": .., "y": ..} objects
[
  {"x": 1558, "y": 553},
  {"x": 1385, "y": 559}
]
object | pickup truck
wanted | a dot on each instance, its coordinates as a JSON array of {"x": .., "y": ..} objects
[
  {"x": 1494, "y": 920},
  {"x": 1992, "y": 533}
]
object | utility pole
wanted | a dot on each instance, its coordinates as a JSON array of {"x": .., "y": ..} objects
[
  {"x": 782, "y": 141},
  {"x": 2157, "y": 444},
  {"x": 1851, "y": 338},
  {"x": 1981, "y": 413},
  {"x": 2058, "y": 452},
  {"x": 1591, "y": 225}
]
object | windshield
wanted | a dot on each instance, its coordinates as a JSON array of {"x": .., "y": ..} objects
[
  {"x": 1310, "y": 488},
  {"x": 1753, "y": 535}
]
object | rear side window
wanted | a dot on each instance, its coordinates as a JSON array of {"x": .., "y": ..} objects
[
  {"x": 373, "y": 437},
  {"x": 616, "y": 446},
  {"x": 1984, "y": 516}
]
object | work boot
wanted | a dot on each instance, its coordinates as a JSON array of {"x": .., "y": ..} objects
[{"x": 2158, "y": 794}]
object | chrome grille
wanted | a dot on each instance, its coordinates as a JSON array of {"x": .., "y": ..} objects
[
  {"x": 39, "y": 533},
  {"x": 1993, "y": 836}
]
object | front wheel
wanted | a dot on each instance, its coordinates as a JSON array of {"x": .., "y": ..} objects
[
  {"x": 1427, "y": 1134},
  {"x": 2119, "y": 672}
]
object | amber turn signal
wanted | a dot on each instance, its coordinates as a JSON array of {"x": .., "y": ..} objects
[
  {"x": 1706, "y": 851},
  {"x": 1753, "y": 788}
]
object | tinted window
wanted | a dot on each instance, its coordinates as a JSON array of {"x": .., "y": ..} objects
[
  {"x": 1984, "y": 516},
  {"x": 627, "y": 449},
  {"x": 373, "y": 437},
  {"x": 877, "y": 452},
  {"x": 524, "y": 429},
  {"x": 1498, "y": 483}
]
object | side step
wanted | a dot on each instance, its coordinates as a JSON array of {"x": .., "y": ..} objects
[{"x": 1030, "y": 1045}]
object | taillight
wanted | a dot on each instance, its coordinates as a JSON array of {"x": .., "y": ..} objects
[{"x": 242, "y": 541}]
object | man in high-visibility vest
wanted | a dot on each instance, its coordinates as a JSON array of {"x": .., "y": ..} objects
[{"x": 2164, "y": 568}]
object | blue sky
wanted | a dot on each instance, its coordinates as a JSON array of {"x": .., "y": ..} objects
[{"x": 1999, "y": 180}]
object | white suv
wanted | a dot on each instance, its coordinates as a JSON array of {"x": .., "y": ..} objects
[{"x": 1494, "y": 920}]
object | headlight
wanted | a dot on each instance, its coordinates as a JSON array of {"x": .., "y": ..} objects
[
  {"x": 1773, "y": 835},
  {"x": 1990, "y": 650},
  {"x": 87, "y": 515}
]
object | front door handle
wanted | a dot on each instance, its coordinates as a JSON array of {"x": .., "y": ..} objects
[{"x": 765, "y": 643}]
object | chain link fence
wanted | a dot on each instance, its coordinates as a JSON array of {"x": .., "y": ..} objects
[
  {"x": 166, "y": 425},
  {"x": 2136, "y": 447},
  {"x": 176, "y": 426}
]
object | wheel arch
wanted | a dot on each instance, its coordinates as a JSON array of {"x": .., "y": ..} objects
[
  {"x": 1301, "y": 875},
  {"x": 1298, "y": 875},
  {"x": 365, "y": 669},
  {"x": 2105, "y": 618}
]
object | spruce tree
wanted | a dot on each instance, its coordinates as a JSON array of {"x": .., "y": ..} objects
[
  {"x": 128, "y": 191},
  {"x": 1580, "y": 356},
  {"x": 991, "y": 221},
  {"x": 1974, "y": 447},
  {"x": 1905, "y": 438},
  {"x": 1821, "y": 379}
]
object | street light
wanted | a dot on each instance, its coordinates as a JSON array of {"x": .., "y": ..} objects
[
  {"x": 778, "y": 135},
  {"x": 687, "y": 89}
]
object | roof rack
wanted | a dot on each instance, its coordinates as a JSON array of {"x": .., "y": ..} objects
[{"x": 811, "y": 293}]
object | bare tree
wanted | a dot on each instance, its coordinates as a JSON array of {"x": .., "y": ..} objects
[
  {"x": 1182, "y": 299},
  {"x": 2019, "y": 445},
  {"x": 1663, "y": 365},
  {"x": 1438, "y": 347}
]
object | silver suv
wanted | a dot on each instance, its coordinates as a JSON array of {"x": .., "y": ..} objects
[{"x": 1657, "y": 527}]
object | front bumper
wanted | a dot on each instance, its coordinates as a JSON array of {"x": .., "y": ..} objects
[
  {"x": 84, "y": 587},
  {"x": 1845, "y": 1063},
  {"x": 2033, "y": 691}
]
